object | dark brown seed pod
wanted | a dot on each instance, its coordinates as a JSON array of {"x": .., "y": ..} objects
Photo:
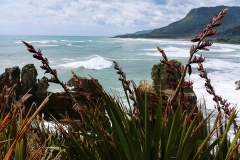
[{"x": 189, "y": 69}]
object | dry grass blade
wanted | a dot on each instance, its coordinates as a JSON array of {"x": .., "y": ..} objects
[
  {"x": 5, "y": 121},
  {"x": 24, "y": 129},
  {"x": 37, "y": 152}
]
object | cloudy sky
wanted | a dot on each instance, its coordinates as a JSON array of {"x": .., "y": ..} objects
[{"x": 93, "y": 17}]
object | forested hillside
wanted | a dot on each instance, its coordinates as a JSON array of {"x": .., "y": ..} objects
[{"x": 196, "y": 21}]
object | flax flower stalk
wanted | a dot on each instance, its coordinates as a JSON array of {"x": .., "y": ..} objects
[{"x": 207, "y": 32}]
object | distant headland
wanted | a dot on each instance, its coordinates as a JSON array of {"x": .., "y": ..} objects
[{"x": 194, "y": 21}]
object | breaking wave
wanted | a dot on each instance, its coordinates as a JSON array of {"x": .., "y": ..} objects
[{"x": 95, "y": 62}]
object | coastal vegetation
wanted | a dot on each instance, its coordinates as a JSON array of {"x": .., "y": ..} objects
[{"x": 111, "y": 129}]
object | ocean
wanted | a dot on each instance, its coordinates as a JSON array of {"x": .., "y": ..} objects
[{"x": 93, "y": 56}]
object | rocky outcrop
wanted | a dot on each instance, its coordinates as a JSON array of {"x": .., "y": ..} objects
[
  {"x": 10, "y": 77},
  {"x": 29, "y": 78},
  {"x": 58, "y": 103},
  {"x": 237, "y": 85},
  {"x": 88, "y": 85},
  {"x": 162, "y": 80}
]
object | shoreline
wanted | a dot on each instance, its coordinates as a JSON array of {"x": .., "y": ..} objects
[{"x": 215, "y": 40}]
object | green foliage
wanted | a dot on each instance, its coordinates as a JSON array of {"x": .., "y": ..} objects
[
  {"x": 123, "y": 134},
  {"x": 118, "y": 132},
  {"x": 30, "y": 66}
]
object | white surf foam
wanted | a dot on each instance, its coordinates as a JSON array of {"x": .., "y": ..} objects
[
  {"x": 155, "y": 54},
  {"x": 232, "y": 46},
  {"x": 223, "y": 84},
  {"x": 158, "y": 41},
  {"x": 221, "y": 50},
  {"x": 219, "y": 64},
  {"x": 150, "y": 49},
  {"x": 170, "y": 51},
  {"x": 5, "y": 62},
  {"x": 131, "y": 59},
  {"x": 47, "y": 45},
  {"x": 78, "y": 41},
  {"x": 71, "y": 45},
  {"x": 18, "y": 42},
  {"x": 67, "y": 59},
  {"x": 97, "y": 63},
  {"x": 170, "y": 54}
]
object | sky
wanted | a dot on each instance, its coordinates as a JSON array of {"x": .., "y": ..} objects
[{"x": 94, "y": 17}]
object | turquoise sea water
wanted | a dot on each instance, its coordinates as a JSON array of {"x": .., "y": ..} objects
[{"x": 94, "y": 55}]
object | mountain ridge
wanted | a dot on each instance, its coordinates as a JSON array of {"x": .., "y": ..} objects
[{"x": 194, "y": 22}]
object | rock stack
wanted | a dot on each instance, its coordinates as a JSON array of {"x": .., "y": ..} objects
[
  {"x": 57, "y": 104},
  {"x": 163, "y": 79}
]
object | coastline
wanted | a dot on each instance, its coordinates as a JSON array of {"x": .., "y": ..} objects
[{"x": 215, "y": 40}]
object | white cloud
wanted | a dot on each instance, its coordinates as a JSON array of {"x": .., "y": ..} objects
[{"x": 89, "y": 17}]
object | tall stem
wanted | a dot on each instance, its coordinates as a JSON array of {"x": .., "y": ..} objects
[{"x": 176, "y": 92}]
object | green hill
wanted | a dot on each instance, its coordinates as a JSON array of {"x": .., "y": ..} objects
[
  {"x": 195, "y": 21},
  {"x": 231, "y": 35}
]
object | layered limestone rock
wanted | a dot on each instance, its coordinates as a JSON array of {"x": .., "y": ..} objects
[
  {"x": 58, "y": 103},
  {"x": 162, "y": 79},
  {"x": 29, "y": 78},
  {"x": 10, "y": 77},
  {"x": 88, "y": 85}
]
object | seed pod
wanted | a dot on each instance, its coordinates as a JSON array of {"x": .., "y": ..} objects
[{"x": 189, "y": 69}]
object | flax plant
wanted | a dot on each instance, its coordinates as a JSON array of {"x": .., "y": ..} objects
[
  {"x": 19, "y": 138},
  {"x": 118, "y": 132}
]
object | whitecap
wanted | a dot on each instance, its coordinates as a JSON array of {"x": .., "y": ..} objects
[
  {"x": 18, "y": 42},
  {"x": 231, "y": 55},
  {"x": 232, "y": 46},
  {"x": 173, "y": 49},
  {"x": 155, "y": 54},
  {"x": 5, "y": 62},
  {"x": 150, "y": 49},
  {"x": 89, "y": 40},
  {"x": 169, "y": 51},
  {"x": 48, "y": 45},
  {"x": 71, "y": 45},
  {"x": 97, "y": 63},
  {"x": 159, "y": 41},
  {"x": 223, "y": 84},
  {"x": 43, "y": 41},
  {"x": 130, "y": 59},
  {"x": 67, "y": 59},
  {"x": 173, "y": 54},
  {"x": 221, "y": 50},
  {"x": 78, "y": 41},
  {"x": 219, "y": 64}
]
